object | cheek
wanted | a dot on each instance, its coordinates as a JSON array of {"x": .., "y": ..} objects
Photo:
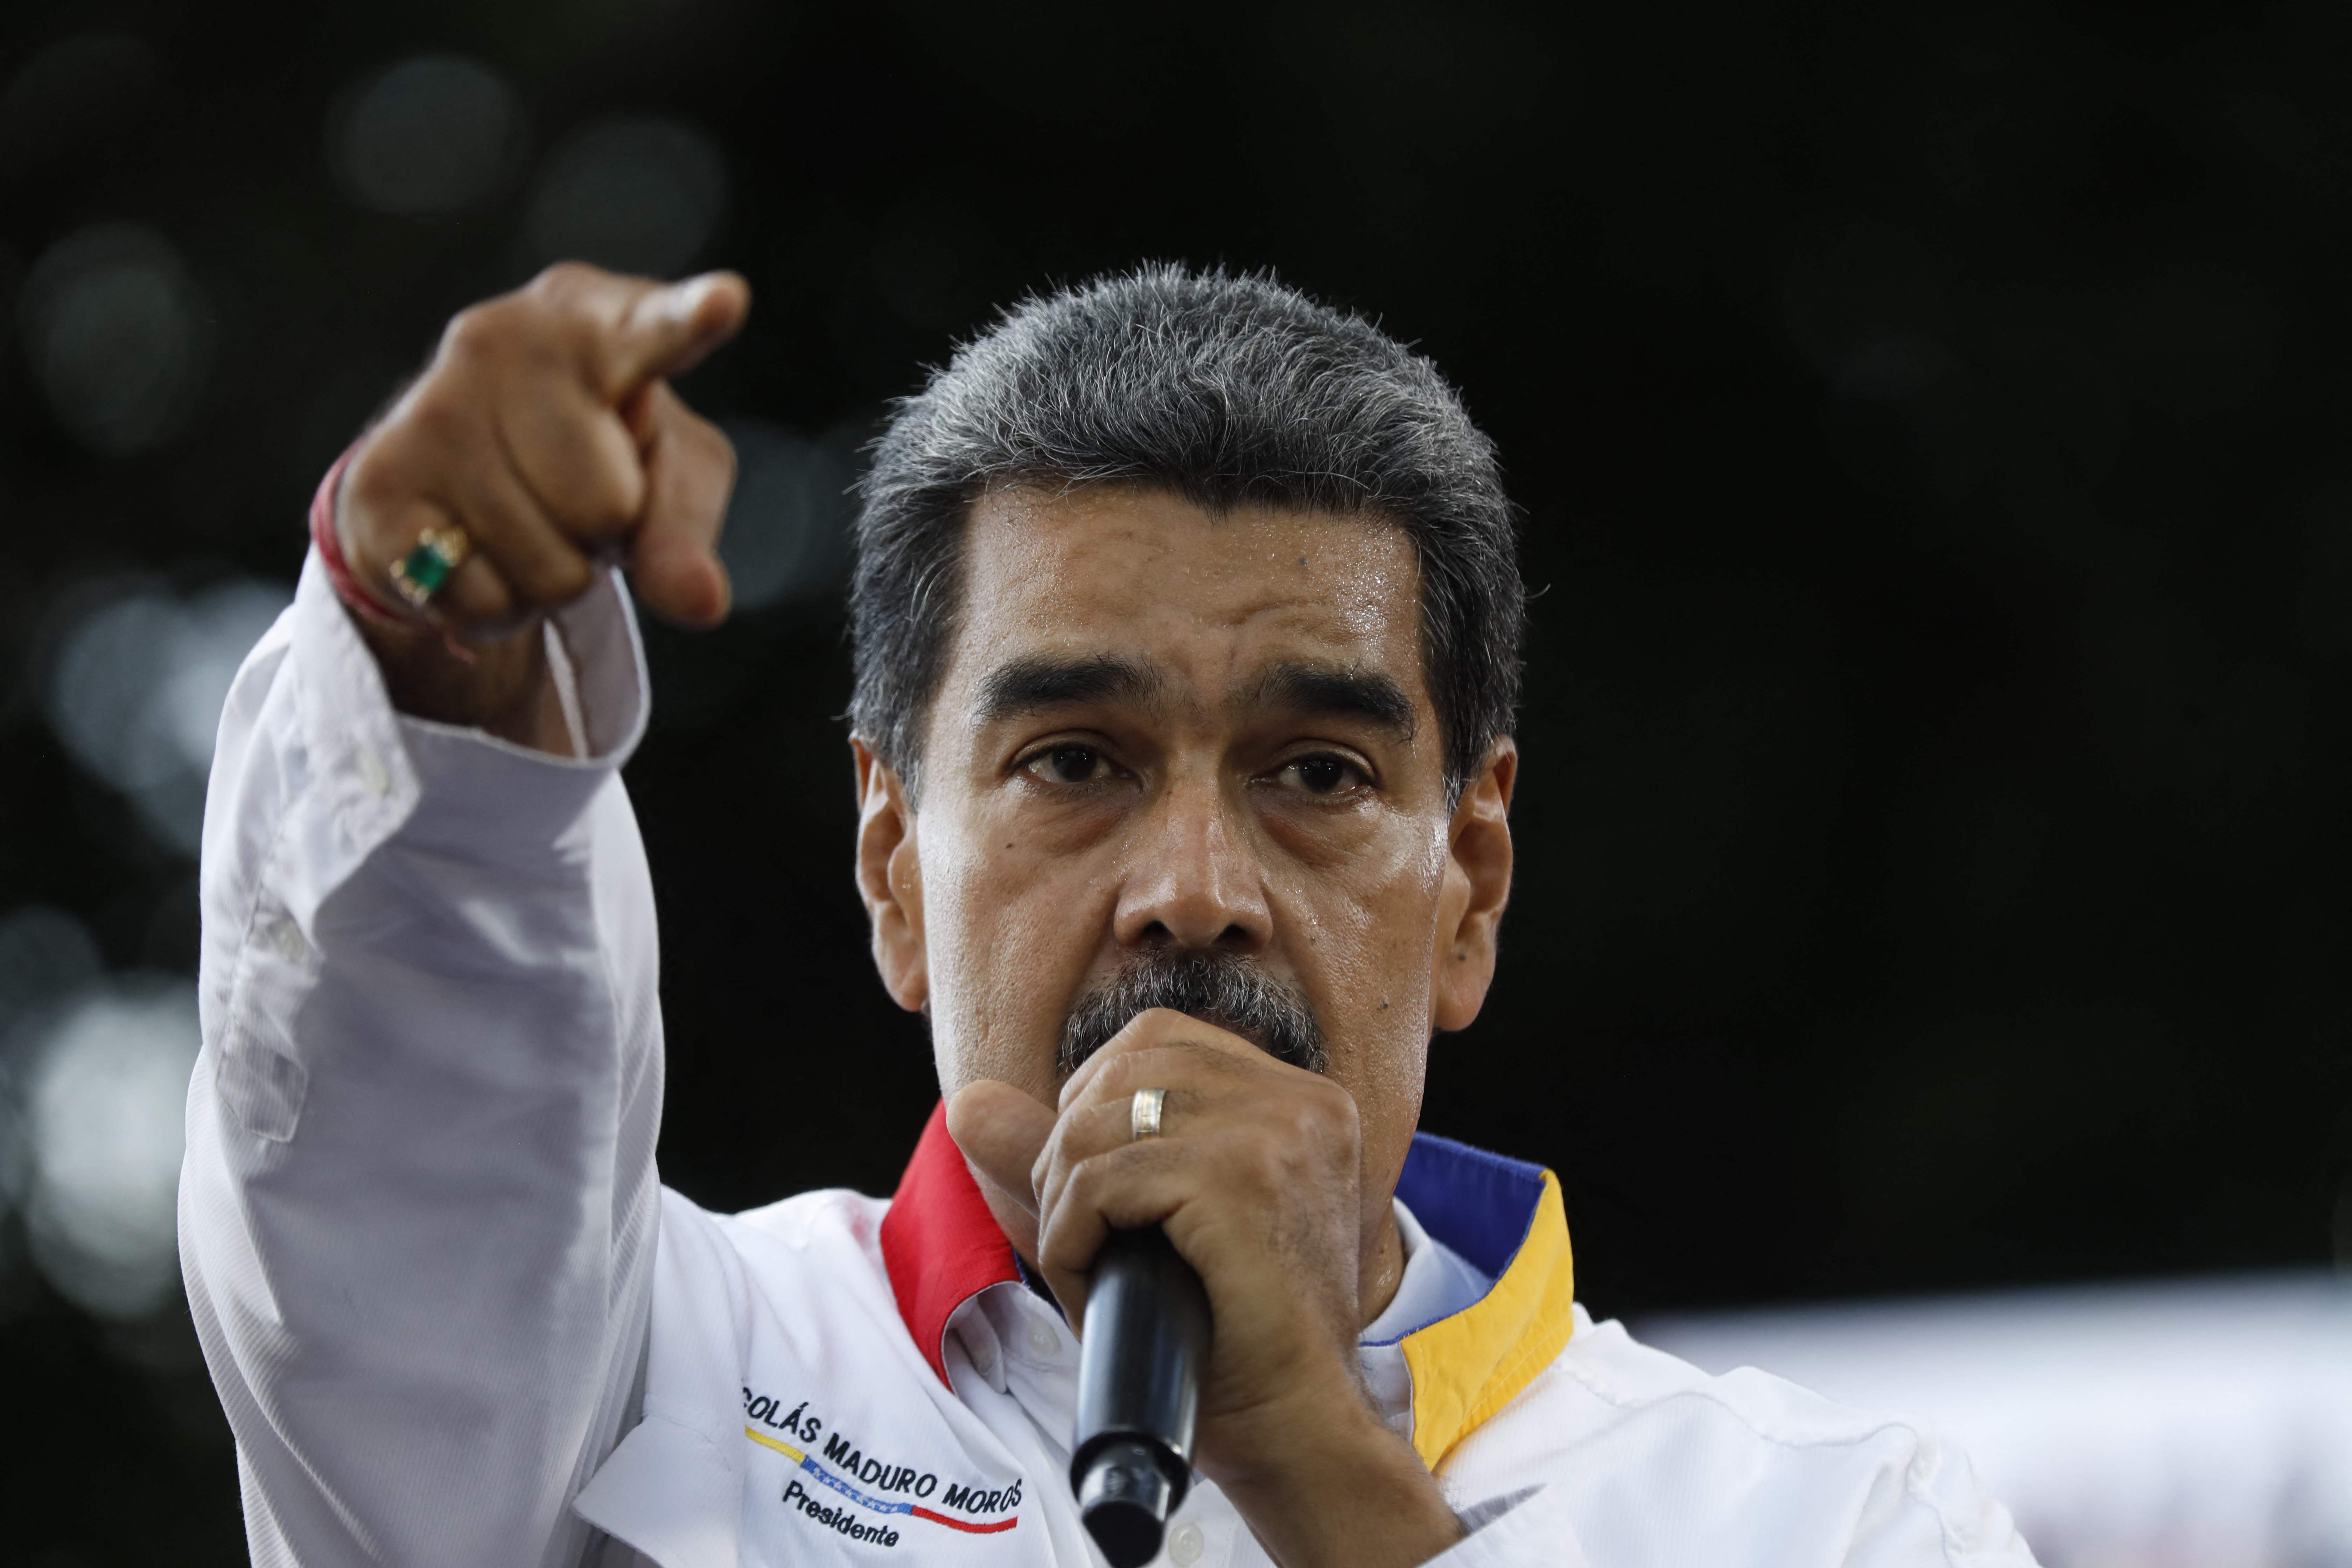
[
  {"x": 1004, "y": 942},
  {"x": 1372, "y": 945},
  {"x": 1379, "y": 1024},
  {"x": 1381, "y": 984}
]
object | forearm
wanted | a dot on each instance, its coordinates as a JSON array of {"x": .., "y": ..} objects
[
  {"x": 1340, "y": 1488},
  {"x": 418, "y": 1210}
]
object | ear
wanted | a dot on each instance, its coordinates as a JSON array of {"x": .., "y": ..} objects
[
  {"x": 890, "y": 880},
  {"x": 1478, "y": 886}
]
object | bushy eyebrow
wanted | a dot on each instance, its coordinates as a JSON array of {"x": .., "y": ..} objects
[
  {"x": 1337, "y": 691},
  {"x": 1037, "y": 682}
]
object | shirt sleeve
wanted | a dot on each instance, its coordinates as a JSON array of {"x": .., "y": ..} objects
[{"x": 418, "y": 1211}]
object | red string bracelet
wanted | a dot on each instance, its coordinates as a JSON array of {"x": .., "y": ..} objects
[
  {"x": 330, "y": 553},
  {"x": 346, "y": 582}
]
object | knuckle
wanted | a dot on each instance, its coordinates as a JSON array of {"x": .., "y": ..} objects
[
  {"x": 1143, "y": 1064},
  {"x": 476, "y": 331},
  {"x": 1062, "y": 1251},
  {"x": 1313, "y": 1121},
  {"x": 556, "y": 577},
  {"x": 1059, "y": 1242},
  {"x": 615, "y": 503},
  {"x": 1055, "y": 1153},
  {"x": 572, "y": 301},
  {"x": 442, "y": 420},
  {"x": 1118, "y": 1059},
  {"x": 1335, "y": 1103},
  {"x": 562, "y": 280},
  {"x": 477, "y": 594},
  {"x": 598, "y": 511},
  {"x": 524, "y": 330},
  {"x": 1265, "y": 1181},
  {"x": 1084, "y": 1185},
  {"x": 373, "y": 479},
  {"x": 1080, "y": 1180}
]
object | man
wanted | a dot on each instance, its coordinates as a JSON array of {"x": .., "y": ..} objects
[{"x": 1186, "y": 628}]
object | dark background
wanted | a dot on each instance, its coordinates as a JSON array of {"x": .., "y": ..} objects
[{"x": 1931, "y": 428}]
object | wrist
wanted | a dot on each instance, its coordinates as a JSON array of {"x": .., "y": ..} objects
[
  {"x": 500, "y": 688},
  {"x": 327, "y": 538},
  {"x": 1344, "y": 1490}
]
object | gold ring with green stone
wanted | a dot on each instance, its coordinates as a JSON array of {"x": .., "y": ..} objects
[{"x": 426, "y": 569}]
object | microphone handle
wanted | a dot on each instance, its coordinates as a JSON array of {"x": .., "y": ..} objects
[{"x": 1144, "y": 1344}]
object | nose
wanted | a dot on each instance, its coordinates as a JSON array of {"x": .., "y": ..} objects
[{"x": 1191, "y": 878}]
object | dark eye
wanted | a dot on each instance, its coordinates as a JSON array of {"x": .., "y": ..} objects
[
  {"x": 1067, "y": 764},
  {"x": 1319, "y": 776}
]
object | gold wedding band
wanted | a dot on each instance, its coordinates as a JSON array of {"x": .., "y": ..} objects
[
  {"x": 426, "y": 568},
  {"x": 1143, "y": 1113}
]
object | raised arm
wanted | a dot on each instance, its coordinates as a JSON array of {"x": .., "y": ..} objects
[{"x": 418, "y": 1212}]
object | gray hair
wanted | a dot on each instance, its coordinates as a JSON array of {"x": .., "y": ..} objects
[
  {"x": 1217, "y": 986},
  {"x": 1226, "y": 390}
]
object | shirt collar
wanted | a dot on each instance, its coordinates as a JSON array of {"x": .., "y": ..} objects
[
  {"x": 940, "y": 1244},
  {"x": 1506, "y": 1219},
  {"x": 942, "y": 1247}
]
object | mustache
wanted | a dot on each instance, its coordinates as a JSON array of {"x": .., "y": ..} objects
[{"x": 1223, "y": 989}]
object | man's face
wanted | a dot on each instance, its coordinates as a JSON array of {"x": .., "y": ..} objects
[{"x": 1163, "y": 735}]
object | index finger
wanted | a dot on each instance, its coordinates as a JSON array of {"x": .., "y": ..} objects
[
  {"x": 1002, "y": 1132},
  {"x": 1153, "y": 1026},
  {"x": 642, "y": 329}
]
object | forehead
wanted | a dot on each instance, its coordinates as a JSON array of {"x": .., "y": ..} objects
[{"x": 1206, "y": 599}]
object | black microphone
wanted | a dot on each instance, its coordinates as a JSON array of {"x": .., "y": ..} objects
[{"x": 1145, "y": 1340}]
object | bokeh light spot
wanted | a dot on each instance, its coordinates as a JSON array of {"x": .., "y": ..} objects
[
  {"x": 135, "y": 691},
  {"x": 118, "y": 336},
  {"x": 633, "y": 195},
  {"x": 103, "y": 1123},
  {"x": 43, "y": 951},
  {"x": 427, "y": 135},
  {"x": 787, "y": 523},
  {"x": 45, "y": 955}
]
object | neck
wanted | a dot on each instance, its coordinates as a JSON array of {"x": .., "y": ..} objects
[
  {"x": 1377, "y": 1279},
  {"x": 1382, "y": 1269}
]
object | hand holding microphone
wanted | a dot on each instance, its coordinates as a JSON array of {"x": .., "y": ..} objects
[{"x": 1247, "y": 1175}]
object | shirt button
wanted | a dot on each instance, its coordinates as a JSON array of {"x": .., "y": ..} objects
[
  {"x": 984, "y": 1357},
  {"x": 290, "y": 941},
  {"x": 1184, "y": 1544},
  {"x": 1043, "y": 1339},
  {"x": 372, "y": 772}
]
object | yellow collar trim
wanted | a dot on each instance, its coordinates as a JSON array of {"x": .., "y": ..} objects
[{"x": 1468, "y": 1366}]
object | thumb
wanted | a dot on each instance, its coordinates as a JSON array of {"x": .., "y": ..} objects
[
  {"x": 668, "y": 331},
  {"x": 1001, "y": 1131}
]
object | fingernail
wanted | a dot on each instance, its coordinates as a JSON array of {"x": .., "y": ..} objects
[{"x": 686, "y": 297}]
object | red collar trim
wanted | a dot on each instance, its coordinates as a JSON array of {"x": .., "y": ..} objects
[{"x": 940, "y": 1244}]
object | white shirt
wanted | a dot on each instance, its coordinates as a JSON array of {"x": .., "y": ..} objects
[{"x": 434, "y": 1273}]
